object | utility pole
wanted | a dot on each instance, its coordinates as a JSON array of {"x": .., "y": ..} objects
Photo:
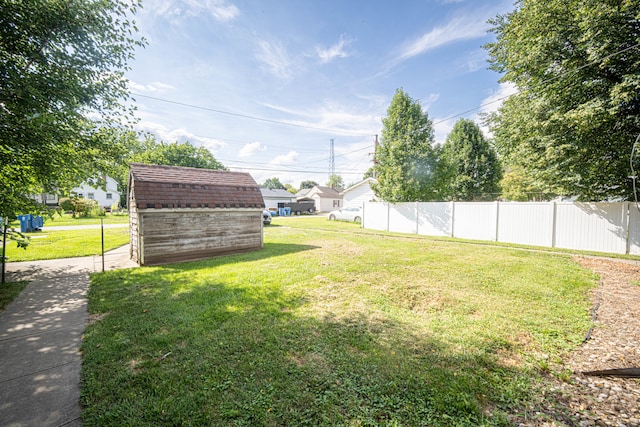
[
  {"x": 332, "y": 160},
  {"x": 375, "y": 158}
]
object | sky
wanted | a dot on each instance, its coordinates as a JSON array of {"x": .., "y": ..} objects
[{"x": 266, "y": 86}]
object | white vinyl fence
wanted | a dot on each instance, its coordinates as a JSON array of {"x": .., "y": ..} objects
[{"x": 600, "y": 227}]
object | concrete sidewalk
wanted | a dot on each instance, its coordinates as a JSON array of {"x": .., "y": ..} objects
[{"x": 40, "y": 338}]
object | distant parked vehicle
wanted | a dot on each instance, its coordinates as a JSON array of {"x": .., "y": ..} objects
[
  {"x": 347, "y": 214},
  {"x": 266, "y": 217}
]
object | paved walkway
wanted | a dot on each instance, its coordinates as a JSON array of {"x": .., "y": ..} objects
[{"x": 40, "y": 337}]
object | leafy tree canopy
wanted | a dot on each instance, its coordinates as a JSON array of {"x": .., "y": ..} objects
[
  {"x": 571, "y": 126},
  {"x": 176, "y": 154},
  {"x": 272, "y": 183},
  {"x": 406, "y": 166},
  {"x": 473, "y": 167},
  {"x": 308, "y": 184},
  {"x": 61, "y": 62},
  {"x": 150, "y": 151},
  {"x": 516, "y": 186},
  {"x": 370, "y": 173},
  {"x": 335, "y": 181},
  {"x": 290, "y": 188}
]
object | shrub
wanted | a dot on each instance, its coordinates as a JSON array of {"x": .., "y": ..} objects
[
  {"x": 84, "y": 207},
  {"x": 66, "y": 204}
]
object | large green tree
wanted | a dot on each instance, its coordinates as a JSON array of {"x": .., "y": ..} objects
[
  {"x": 150, "y": 151},
  {"x": 576, "y": 63},
  {"x": 308, "y": 184},
  {"x": 335, "y": 181},
  {"x": 473, "y": 165},
  {"x": 406, "y": 161},
  {"x": 62, "y": 90},
  {"x": 273, "y": 184}
]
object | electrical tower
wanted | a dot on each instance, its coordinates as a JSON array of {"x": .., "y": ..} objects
[{"x": 332, "y": 160}]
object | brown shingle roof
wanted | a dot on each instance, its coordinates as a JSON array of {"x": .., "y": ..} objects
[{"x": 158, "y": 187}]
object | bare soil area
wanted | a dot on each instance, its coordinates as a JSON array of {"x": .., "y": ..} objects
[{"x": 614, "y": 342}]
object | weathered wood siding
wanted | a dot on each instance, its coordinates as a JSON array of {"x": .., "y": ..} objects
[
  {"x": 134, "y": 248},
  {"x": 173, "y": 235}
]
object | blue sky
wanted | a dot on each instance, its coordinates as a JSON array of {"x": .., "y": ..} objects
[{"x": 265, "y": 85}]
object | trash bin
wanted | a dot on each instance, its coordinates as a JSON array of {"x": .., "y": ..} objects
[
  {"x": 25, "y": 223},
  {"x": 37, "y": 222}
]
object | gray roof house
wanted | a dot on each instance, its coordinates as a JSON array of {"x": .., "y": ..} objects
[
  {"x": 273, "y": 197},
  {"x": 325, "y": 198}
]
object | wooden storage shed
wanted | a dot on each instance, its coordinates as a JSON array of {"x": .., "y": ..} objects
[{"x": 179, "y": 214}]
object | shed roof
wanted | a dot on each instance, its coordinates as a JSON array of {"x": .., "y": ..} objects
[{"x": 159, "y": 186}]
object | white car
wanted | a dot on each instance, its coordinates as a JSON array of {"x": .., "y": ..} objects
[{"x": 347, "y": 214}]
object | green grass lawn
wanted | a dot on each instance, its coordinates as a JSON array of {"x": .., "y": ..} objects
[
  {"x": 67, "y": 244},
  {"x": 331, "y": 325},
  {"x": 66, "y": 219}
]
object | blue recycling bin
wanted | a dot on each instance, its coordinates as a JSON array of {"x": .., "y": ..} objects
[
  {"x": 37, "y": 222},
  {"x": 25, "y": 223}
]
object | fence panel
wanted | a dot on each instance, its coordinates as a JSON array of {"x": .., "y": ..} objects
[
  {"x": 634, "y": 229},
  {"x": 374, "y": 216},
  {"x": 475, "y": 220},
  {"x": 435, "y": 219},
  {"x": 403, "y": 218},
  {"x": 592, "y": 226},
  {"x": 526, "y": 223}
]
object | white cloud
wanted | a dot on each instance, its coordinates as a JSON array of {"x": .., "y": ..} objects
[
  {"x": 476, "y": 60},
  {"x": 333, "y": 52},
  {"x": 176, "y": 10},
  {"x": 152, "y": 87},
  {"x": 286, "y": 159},
  {"x": 250, "y": 149},
  {"x": 443, "y": 128},
  {"x": 460, "y": 28},
  {"x": 179, "y": 135},
  {"x": 429, "y": 101},
  {"x": 275, "y": 57},
  {"x": 341, "y": 119},
  {"x": 492, "y": 103}
]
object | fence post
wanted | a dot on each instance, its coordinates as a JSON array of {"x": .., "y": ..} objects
[
  {"x": 453, "y": 217},
  {"x": 497, "y": 219},
  {"x": 388, "y": 214},
  {"x": 626, "y": 212},
  {"x": 553, "y": 224}
]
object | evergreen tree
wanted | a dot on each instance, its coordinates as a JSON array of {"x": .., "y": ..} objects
[
  {"x": 474, "y": 169},
  {"x": 406, "y": 163}
]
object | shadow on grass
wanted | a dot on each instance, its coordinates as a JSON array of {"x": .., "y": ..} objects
[{"x": 179, "y": 345}]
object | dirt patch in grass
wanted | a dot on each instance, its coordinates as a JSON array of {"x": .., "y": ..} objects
[{"x": 614, "y": 342}]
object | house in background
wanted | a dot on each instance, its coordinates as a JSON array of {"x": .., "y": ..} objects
[
  {"x": 179, "y": 214},
  {"x": 105, "y": 197},
  {"x": 273, "y": 197},
  {"x": 325, "y": 198},
  {"x": 359, "y": 193}
]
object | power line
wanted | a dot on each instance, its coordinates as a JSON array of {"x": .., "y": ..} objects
[
  {"x": 246, "y": 116},
  {"x": 295, "y": 171}
]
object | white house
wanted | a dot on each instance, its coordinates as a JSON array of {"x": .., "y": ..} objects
[
  {"x": 325, "y": 198},
  {"x": 273, "y": 197},
  {"x": 105, "y": 197},
  {"x": 359, "y": 193}
]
